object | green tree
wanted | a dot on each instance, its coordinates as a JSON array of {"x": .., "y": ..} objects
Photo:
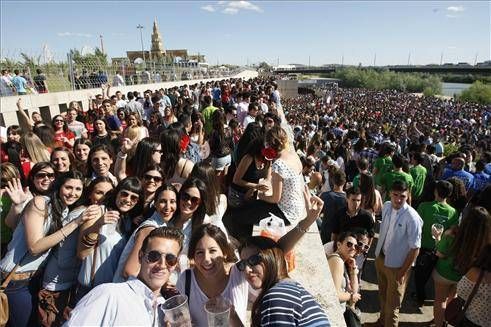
[{"x": 478, "y": 92}]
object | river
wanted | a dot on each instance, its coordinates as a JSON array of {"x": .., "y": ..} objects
[{"x": 449, "y": 89}]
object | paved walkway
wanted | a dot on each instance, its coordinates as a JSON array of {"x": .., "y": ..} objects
[{"x": 410, "y": 314}]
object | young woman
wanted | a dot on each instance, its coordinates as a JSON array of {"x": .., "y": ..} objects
[
  {"x": 33, "y": 149},
  {"x": 344, "y": 272},
  {"x": 288, "y": 193},
  {"x": 44, "y": 224},
  {"x": 175, "y": 167},
  {"x": 133, "y": 119},
  {"x": 251, "y": 169},
  {"x": 169, "y": 117},
  {"x": 101, "y": 135},
  {"x": 62, "y": 158},
  {"x": 221, "y": 143},
  {"x": 97, "y": 190},
  {"x": 457, "y": 249},
  {"x": 46, "y": 135},
  {"x": 371, "y": 200},
  {"x": 101, "y": 240},
  {"x": 100, "y": 161},
  {"x": 39, "y": 182},
  {"x": 148, "y": 151},
  {"x": 81, "y": 151},
  {"x": 281, "y": 299},
  {"x": 155, "y": 126},
  {"x": 63, "y": 135},
  {"x": 151, "y": 181},
  {"x": 165, "y": 207}
]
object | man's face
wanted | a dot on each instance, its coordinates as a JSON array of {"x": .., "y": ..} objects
[
  {"x": 71, "y": 116},
  {"x": 354, "y": 202},
  {"x": 156, "y": 274},
  {"x": 398, "y": 199}
]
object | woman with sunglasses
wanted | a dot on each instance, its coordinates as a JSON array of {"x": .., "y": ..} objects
[
  {"x": 62, "y": 158},
  {"x": 281, "y": 299},
  {"x": 344, "y": 273},
  {"x": 81, "y": 151},
  {"x": 101, "y": 240},
  {"x": 99, "y": 163},
  {"x": 63, "y": 135},
  {"x": 148, "y": 151},
  {"x": 39, "y": 182},
  {"x": 152, "y": 179},
  {"x": 45, "y": 224},
  {"x": 165, "y": 203}
]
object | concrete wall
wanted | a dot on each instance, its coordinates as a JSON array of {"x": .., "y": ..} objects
[{"x": 50, "y": 104}]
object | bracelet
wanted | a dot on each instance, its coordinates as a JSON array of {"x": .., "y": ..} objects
[
  {"x": 88, "y": 241},
  {"x": 300, "y": 229},
  {"x": 122, "y": 155},
  {"x": 63, "y": 234}
]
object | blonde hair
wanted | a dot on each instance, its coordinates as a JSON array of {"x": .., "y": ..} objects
[
  {"x": 276, "y": 138},
  {"x": 132, "y": 132},
  {"x": 35, "y": 148},
  {"x": 8, "y": 172}
]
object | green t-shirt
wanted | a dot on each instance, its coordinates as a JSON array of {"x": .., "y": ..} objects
[
  {"x": 435, "y": 212},
  {"x": 356, "y": 181},
  {"x": 389, "y": 178},
  {"x": 419, "y": 176},
  {"x": 207, "y": 114},
  {"x": 6, "y": 232},
  {"x": 383, "y": 165},
  {"x": 445, "y": 266}
]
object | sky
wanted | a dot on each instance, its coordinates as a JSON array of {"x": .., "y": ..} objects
[{"x": 248, "y": 32}]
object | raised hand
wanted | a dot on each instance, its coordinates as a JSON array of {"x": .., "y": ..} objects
[
  {"x": 16, "y": 192},
  {"x": 126, "y": 145},
  {"x": 91, "y": 212}
]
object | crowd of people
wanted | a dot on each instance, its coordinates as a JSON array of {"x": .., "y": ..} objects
[
  {"x": 22, "y": 83},
  {"x": 112, "y": 208}
]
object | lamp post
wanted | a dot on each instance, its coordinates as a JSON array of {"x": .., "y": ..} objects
[{"x": 140, "y": 27}]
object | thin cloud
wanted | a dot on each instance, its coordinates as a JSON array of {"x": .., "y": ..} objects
[
  {"x": 245, "y": 5},
  {"x": 230, "y": 11},
  {"x": 208, "y": 8},
  {"x": 451, "y": 16},
  {"x": 456, "y": 8},
  {"x": 65, "y": 34}
]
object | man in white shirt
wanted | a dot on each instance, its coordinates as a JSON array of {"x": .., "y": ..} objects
[
  {"x": 251, "y": 114},
  {"x": 78, "y": 128},
  {"x": 134, "y": 302},
  {"x": 118, "y": 80}
]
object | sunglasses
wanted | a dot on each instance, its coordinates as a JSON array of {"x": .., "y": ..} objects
[
  {"x": 159, "y": 151},
  {"x": 251, "y": 261},
  {"x": 133, "y": 197},
  {"x": 154, "y": 256},
  {"x": 149, "y": 178},
  {"x": 44, "y": 175},
  {"x": 59, "y": 121},
  {"x": 187, "y": 197},
  {"x": 350, "y": 245},
  {"x": 363, "y": 246}
]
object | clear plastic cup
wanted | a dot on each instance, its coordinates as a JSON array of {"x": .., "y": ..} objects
[
  {"x": 218, "y": 312},
  {"x": 436, "y": 230},
  {"x": 175, "y": 312}
]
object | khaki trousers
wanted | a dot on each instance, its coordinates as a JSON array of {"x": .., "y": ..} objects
[{"x": 390, "y": 292}]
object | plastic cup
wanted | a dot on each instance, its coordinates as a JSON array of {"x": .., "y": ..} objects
[
  {"x": 436, "y": 229},
  {"x": 218, "y": 312},
  {"x": 175, "y": 312}
]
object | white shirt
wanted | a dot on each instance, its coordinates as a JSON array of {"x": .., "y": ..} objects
[
  {"x": 390, "y": 231},
  {"x": 130, "y": 303}
]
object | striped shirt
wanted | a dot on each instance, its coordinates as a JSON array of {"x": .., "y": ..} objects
[{"x": 288, "y": 304}]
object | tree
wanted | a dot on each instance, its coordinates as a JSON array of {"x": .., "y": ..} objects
[{"x": 478, "y": 92}]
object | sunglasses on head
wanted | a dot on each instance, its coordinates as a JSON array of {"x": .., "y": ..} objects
[
  {"x": 44, "y": 175},
  {"x": 154, "y": 256},
  {"x": 149, "y": 178},
  {"x": 187, "y": 197},
  {"x": 253, "y": 260},
  {"x": 132, "y": 197},
  {"x": 362, "y": 246}
]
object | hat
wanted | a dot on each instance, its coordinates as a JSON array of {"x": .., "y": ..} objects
[{"x": 331, "y": 162}]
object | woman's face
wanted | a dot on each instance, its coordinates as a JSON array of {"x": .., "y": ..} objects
[
  {"x": 208, "y": 257},
  {"x": 166, "y": 204},
  {"x": 132, "y": 121},
  {"x": 152, "y": 181},
  {"x": 253, "y": 273},
  {"x": 167, "y": 111},
  {"x": 13, "y": 136},
  {"x": 126, "y": 200},
  {"x": 59, "y": 122},
  {"x": 71, "y": 191},
  {"x": 101, "y": 163},
  {"x": 189, "y": 201},
  {"x": 61, "y": 161},
  {"x": 98, "y": 192},
  {"x": 157, "y": 155},
  {"x": 82, "y": 152},
  {"x": 100, "y": 127},
  {"x": 43, "y": 179},
  {"x": 347, "y": 248}
]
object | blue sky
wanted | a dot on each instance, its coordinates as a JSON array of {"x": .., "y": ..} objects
[{"x": 238, "y": 32}]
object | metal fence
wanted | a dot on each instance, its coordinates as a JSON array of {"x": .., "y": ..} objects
[{"x": 76, "y": 70}]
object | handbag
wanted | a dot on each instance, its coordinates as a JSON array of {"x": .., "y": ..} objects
[
  {"x": 351, "y": 317},
  {"x": 455, "y": 311},
  {"x": 4, "y": 301}
]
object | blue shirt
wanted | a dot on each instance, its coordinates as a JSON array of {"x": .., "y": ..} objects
[
  {"x": 464, "y": 176},
  {"x": 20, "y": 83},
  {"x": 480, "y": 181},
  {"x": 406, "y": 234},
  {"x": 287, "y": 303}
]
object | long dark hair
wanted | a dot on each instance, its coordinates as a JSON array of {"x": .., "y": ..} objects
[
  {"x": 215, "y": 233},
  {"x": 143, "y": 156},
  {"x": 57, "y": 206},
  {"x": 367, "y": 189},
  {"x": 274, "y": 265},
  {"x": 205, "y": 172},
  {"x": 170, "y": 140},
  {"x": 252, "y": 131},
  {"x": 472, "y": 235},
  {"x": 131, "y": 184},
  {"x": 200, "y": 212},
  {"x": 90, "y": 188}
]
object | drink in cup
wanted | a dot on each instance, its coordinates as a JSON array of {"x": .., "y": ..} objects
[
  {"x": 175, "y": 312},
  {"x": 218, "y": 312}
]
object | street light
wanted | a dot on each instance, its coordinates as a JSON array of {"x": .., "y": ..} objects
[{"x": 140, "y": 27}]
